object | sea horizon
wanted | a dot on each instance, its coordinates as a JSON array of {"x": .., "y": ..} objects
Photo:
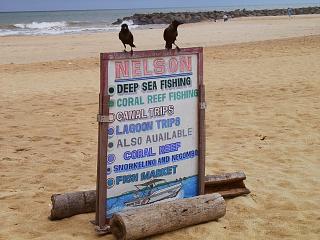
[
  {"x": 57, "y": 22},
  {"x": 247, "y": 6}
]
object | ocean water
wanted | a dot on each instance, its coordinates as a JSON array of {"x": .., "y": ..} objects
[{"x": 89, "y": 21}]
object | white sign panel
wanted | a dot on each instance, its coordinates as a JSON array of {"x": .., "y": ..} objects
[{"x": 152, "y": 151}]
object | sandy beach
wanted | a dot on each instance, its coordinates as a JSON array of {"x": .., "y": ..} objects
[{"x": 262, "y": 79}]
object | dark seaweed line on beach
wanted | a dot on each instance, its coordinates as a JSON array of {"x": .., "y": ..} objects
[{"x": 193, "y": 17}]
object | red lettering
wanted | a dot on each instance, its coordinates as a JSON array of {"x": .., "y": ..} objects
[
  {"x": 146, "y": 71},
  {"x": 136, "y": 68},
  {"x": 185, "y": 64},
  {"x": 173, "y": 65},
  {"x": 141, "y": 67},
  {"x": 159, "y": 66},
  {"x": 122, "y": 69}
]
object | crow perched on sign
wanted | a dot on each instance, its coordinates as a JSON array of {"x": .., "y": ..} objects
[
  {"x": 126, "y": 37},
  {"x": 170, "y": 34}
]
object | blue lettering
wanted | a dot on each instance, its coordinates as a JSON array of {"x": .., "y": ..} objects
[
  {"x": 134, "y": 128},
  {"x": 158, "y": 173},
  {"x": 139, "y": 153},
  {"x": 184, "y": 156},
  {"x": 168, "y": 148},
  {"x": 168, "y": 123},
  {"x": 134, "y": 166},
  {"x": 127, "y": 178}
]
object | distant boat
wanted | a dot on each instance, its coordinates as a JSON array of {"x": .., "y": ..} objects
[{"x": 151, "y": 192}]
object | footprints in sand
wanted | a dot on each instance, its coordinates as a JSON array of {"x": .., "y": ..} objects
[
  {"x": 8, "y": 159},
  {"x": 43, "y": 138},
  {"x": 22, "y": 150},
  {"x": 9, "y": 116},
  {"x": 57, "y": 162},
  {"x": 19, "y": 136},
  {"x": 80, "y": 109}
]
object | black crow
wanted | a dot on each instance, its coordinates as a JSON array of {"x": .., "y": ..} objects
[
  {"x": 126, "y": 37},
  {"x": 170, "y": 34}
]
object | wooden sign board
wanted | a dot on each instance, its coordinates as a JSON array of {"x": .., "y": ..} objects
[{"x": 151, "y": 129}]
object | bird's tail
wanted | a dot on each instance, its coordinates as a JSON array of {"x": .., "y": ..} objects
[{"x": 132, "y": 45}]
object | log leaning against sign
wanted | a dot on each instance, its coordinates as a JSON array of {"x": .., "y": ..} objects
[{"x": 146, "y": 221}]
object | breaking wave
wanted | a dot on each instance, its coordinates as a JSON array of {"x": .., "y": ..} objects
[
  {"x": 41, "y": 25},
  {"x": 63, "y": 27}
]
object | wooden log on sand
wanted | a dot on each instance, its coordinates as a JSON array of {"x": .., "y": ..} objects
[
  {"x": 164, "y": 217},
  {"x": 69, "y": 204},
  {"x": 229, "y": 185}
]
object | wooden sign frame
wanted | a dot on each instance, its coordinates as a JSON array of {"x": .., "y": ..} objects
[{"x": 101, "y": 220}]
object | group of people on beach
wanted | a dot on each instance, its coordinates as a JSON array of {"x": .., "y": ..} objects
[{"x": 226, "y": 17}]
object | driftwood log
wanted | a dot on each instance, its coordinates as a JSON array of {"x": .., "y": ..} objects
[
  {"x": 163, "y": 217},
  {"x": 69, "y": 204},
  {"x": 229, "y": 185}
]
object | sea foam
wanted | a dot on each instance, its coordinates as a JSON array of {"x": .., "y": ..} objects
[
  {"x": 62, "y": 27},
  {"x": 41, "y": 25}
]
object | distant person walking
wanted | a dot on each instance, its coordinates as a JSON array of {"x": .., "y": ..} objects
[
  {"x": 289, "y": 12},
  {"x": 225, "y": 18}
]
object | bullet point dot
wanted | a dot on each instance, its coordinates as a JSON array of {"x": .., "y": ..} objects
[
  {"x": 110, "y": 182},
  {"x": 111, "y": 90},
  {"x": 111, "y": 158},
  {"x": 111, "y": 103},
  {"x": 110, "y": 131}
]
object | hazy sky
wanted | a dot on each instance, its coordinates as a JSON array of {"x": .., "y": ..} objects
[{"x": 37, "y": 5}]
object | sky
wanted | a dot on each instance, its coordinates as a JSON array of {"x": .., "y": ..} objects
[{"x": 44, "y": 5}]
